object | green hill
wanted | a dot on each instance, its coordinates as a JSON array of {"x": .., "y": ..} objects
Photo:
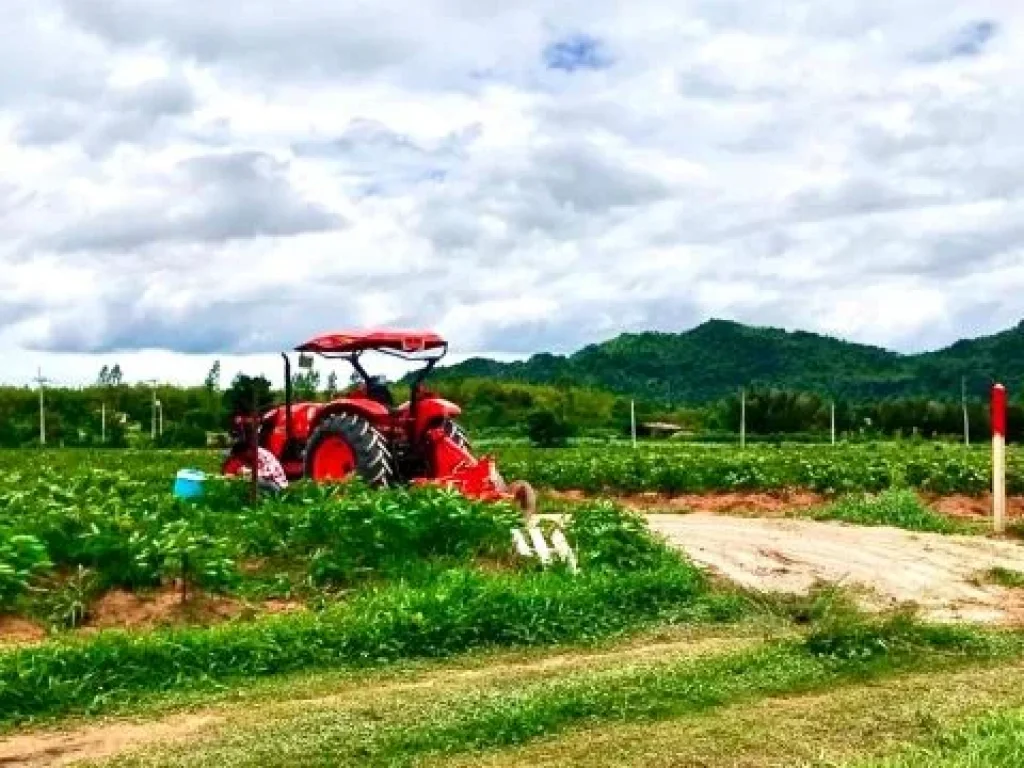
[{"x": 716, "y": 358}]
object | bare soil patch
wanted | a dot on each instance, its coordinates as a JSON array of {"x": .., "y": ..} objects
[
  {"x": 964, "y": 507},
  {"x": 893, "y": 566},
  {"x": 54, "y": 749},
  {"x": 119, "y": 608},
  {"x": 18, "y": 631},
  {"x": 757, "y": 504},
  {"x": 790, "y": 502}
]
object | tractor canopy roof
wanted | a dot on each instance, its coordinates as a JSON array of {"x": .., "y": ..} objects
[{"x": 343, "y": 342}]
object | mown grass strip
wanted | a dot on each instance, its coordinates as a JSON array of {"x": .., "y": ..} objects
[
  {"x": 996, "y": 741},
  {"x": 872, "y": 719},
  {"x": 494, "y": 720},
  {"x": 460, "y": 611}
]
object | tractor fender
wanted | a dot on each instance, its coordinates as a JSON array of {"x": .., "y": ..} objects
[
  {"x": 370, "y": 410},
  {"x": 432, "y": 410}
]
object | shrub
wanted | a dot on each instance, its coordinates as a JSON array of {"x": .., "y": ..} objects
[{"x": 546, "y": 429}]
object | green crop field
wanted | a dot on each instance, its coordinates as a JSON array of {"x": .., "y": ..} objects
[
  {"x": 595, "y": 467},
  {"x": 346, "y": 626}
]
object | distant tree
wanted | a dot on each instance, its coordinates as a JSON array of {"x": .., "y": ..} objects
[
  {"x": 212, "y": 382},
  {"x": 546, "y": 429},
  {"x": 332, "y": 384},
  {"x": 104, "y": 377},
  {"x": 306, "y": 384},
  {"x": 238, "y": 398},
  {"x": 115, "y": 377}
]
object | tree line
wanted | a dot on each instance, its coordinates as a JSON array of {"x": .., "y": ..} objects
[{"x": 113, "y": 413}]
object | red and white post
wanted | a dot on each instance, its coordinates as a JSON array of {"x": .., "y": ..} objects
[{"x": 999, "y": 458}]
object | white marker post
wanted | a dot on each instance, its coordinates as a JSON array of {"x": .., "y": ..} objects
[{"x": 999, "y": 458}]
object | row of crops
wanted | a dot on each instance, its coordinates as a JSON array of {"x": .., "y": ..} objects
[
  {"x": 76, "y": 523},
  {"x": 932, "y": 467}
]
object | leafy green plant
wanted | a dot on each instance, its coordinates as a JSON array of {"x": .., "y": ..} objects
[
  {"x": 65, "y": 603},
  {"x": 22, "y": 559},
  {"x": 606, "y": 535},
  {"x": 192, "y": 557}
]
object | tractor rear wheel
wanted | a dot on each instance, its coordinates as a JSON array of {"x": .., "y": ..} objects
[{"x": 347, "y": 445}]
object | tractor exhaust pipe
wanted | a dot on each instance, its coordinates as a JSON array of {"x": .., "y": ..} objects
[{"x": 287, "y": 396}]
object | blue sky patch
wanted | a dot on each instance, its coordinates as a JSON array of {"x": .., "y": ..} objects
[
  {"x": 577, "y": 52},
  {"x": 972, "y": 38}
]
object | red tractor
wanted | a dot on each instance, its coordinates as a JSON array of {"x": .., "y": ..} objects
[{"x": 367, "y": 434}]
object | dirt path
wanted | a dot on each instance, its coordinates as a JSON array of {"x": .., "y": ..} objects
[
  {"x": 937, "y": 572},
  {"x": 94, "y": 742}
]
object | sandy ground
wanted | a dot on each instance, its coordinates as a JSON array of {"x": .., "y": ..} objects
[{"x": 938, "y": 573}]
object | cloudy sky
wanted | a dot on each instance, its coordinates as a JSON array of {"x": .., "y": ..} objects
[{"x": 186, "y": 180}]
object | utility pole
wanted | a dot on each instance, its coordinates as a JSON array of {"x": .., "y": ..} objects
[
  {"x": 963, "y": 405},
  {"x": 743, "y": 418},
  {"x": 833, "y": 410},
  {"x": 103, "y": 422},
  {"x": 42, "y": 381},
  {"x": 152, "y": 422},
  {"x": 632, "y": 421}
]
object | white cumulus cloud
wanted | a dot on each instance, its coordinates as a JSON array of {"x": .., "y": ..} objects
[{"x": 189, "y": 180}]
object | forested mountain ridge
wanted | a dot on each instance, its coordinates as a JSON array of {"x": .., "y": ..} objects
[{"x": 718, "y": 357}]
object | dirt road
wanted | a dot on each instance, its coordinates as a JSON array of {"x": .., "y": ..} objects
[{"x": 939, "y": 573}]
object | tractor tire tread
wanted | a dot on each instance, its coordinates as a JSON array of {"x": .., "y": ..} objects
[{"x": 373, "y": 458}]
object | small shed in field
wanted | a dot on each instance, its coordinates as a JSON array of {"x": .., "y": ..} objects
[{"x": 662, "y": 429}]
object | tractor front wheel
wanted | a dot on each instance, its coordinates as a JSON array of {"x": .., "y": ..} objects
[{"x": 346, "y": 445}]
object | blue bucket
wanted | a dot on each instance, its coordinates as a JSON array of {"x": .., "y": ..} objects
[{"x": 189, "y": 484}]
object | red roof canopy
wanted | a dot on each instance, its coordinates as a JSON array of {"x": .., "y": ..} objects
[{"x": 359, "y": 341}]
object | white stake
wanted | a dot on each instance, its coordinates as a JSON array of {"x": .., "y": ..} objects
[
  {"x": 561, "y": 545},
  {"x": 540, "y": 546},
  {"x": 522, "y": 546}
]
